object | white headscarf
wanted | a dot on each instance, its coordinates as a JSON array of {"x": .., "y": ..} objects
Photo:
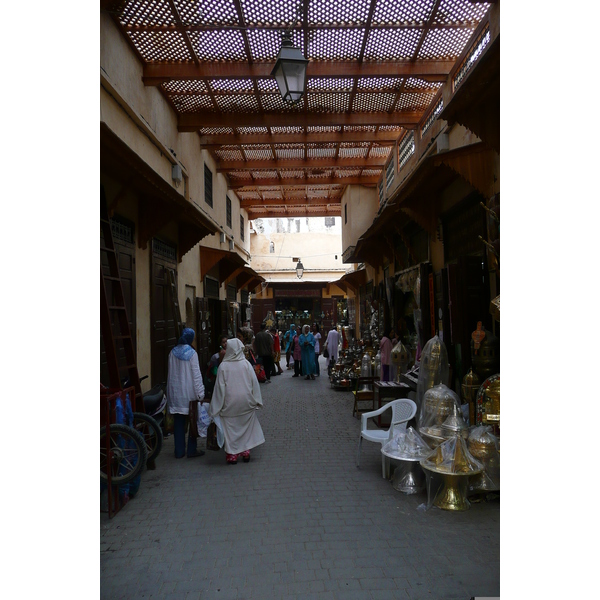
[
  {"x": 305, "y": 329},
  {"x": 234, "y": 351}
]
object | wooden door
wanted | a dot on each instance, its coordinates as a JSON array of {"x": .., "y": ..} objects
[
  {"x": 203, "y": 335},
  {"x": 329, "y": 307},
  {"x": 163, "y": 325}
]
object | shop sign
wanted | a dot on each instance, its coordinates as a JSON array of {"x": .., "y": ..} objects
[{"x": 297, "y": 293}]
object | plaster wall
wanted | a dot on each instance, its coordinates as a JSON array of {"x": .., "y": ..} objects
[
  {"x": 320, "y": 252},
  {"x": 142, "y": 118},
  {"x": 145, "y": 121},
  {"x": 362, "y": 204}
]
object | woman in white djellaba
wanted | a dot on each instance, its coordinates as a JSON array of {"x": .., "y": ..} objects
[{"x": 235, "y": 400}]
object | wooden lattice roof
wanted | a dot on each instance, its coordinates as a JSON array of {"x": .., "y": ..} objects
[{"x": 376, "y": 67}]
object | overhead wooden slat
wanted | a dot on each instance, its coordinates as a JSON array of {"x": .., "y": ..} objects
[
  {"x": 290, "y": 202},
  {"x": 271, "y": 214},
  {"x": 278, "y": 28},
  {"x": 157, "y": 73},
  {"x": 375, "y": 69},
  {"x": 195, "y": 121},
  {"x": 293, "y": 181},
  {"x": 300, "y": 163},
  {"x": 381, "y": 137}
]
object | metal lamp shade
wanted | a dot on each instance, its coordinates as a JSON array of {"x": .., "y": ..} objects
[
  {"x": 290, "y": 72},
  {"x": 299, "y": 270}
]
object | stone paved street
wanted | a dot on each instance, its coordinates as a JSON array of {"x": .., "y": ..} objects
[{"x": 299, "y": 521}]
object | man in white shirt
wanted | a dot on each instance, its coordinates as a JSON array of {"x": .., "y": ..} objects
[{"x": 184, "y": 384}]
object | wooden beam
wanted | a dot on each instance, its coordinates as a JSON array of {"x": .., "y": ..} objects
[
  {"x": 138, "y": 28},
  {"x": 195, "y": 121},
  {"x": 377, "y": 162},
  {"x": 185, "y": 34},
  {"x": 295, "y": 182},
  {"x": 305, "y": 201},
  {"x": 381, "y": 137},
  {"x": 271, "y": 214},
  {"x": 432, "y": 70}
]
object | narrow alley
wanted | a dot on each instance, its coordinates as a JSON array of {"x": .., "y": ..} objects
[{"x": 299, "y": 521}]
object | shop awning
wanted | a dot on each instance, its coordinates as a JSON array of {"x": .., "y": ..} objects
[
  {"x": 353, "y": 279},
  {"x": 228, "y": 261},
  {"x": 245, "y": 277},
  {"x": 160, "y": 203}
]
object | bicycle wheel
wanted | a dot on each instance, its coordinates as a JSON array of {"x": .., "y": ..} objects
[
  {"x": 151, "y": 432},
  {"x": 126, "y": 457}
]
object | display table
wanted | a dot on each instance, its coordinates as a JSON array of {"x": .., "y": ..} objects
[
  {"x": 386, "y": 391},
  {"x": 408, "y": 477}
]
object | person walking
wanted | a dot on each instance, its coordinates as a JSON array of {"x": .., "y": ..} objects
[
  {"x": 184, "y": 384},
  {"x": 307, "y": 344},
  {"x": 236, "y": 398},
  {"x": 288, "y": 339},
  {"x": 263, "y": 344},
  {"x": 277, "y": 370},
  {"x": 332, "y": 343},
  {"x": 316, "y": 331},
  {"x": 297, "y": 354}
]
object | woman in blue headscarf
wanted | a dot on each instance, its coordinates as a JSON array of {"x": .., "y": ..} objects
[
  {"x": 307, "y": 344},
  {"x": 288, "y": 338},
  {"x": 184, "y": 384}
]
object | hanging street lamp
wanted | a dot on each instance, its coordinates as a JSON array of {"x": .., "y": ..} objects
[
  {"x": 299, "y": 269},
  {"x": 290, "y": 70}
]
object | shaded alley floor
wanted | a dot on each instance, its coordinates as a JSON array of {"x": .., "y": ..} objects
[{"x": 300, "y": 521}]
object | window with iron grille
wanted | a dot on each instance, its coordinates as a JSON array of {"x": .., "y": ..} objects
[
  {"x": 208, "y": 188},
  {"x": 476, "y": 49},
  {"x": 433, "y": 116},
  {"x": 381, "y": 194},
  {"x": 329, "y": 221},
  {"x": 389, "y": 174},
  {"x": 122, "y": 229},
  {"x": 244, "y": 295},
  {"x": 164, "y": 249},
  {"x": 406, "y": 149},
  {"x": 228, "y": 211},
  {"x": 231, "y": 293},
  {"x": 211, "y": 287},
  {"x": 242, "y": 228}
]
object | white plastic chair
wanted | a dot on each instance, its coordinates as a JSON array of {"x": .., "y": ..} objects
[{"x": 403, "y": 410}]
